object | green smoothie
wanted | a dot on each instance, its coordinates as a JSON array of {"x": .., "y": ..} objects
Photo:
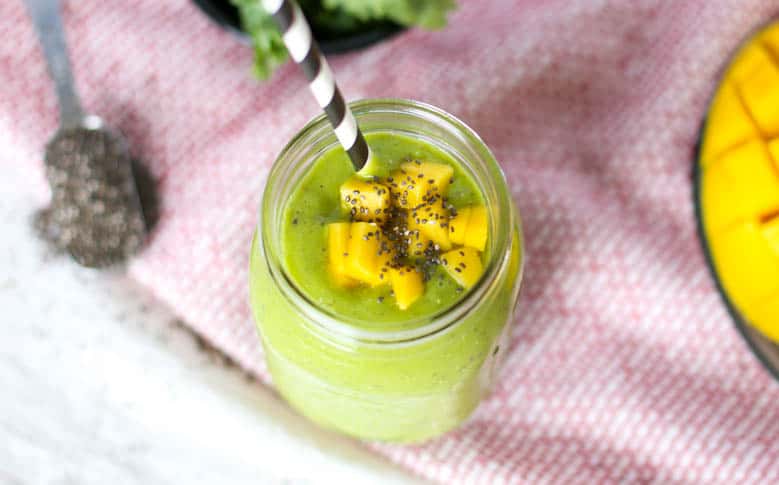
[
  {"x": 406, "y": 389},
  {"x": 316, "y": 202}
]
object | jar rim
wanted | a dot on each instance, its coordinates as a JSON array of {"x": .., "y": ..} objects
[{"x": 338, "y": 327}]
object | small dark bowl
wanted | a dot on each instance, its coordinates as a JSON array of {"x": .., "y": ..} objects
[
  {"x": 224, "y": 14},
  {"x": 766, "y": 351}
]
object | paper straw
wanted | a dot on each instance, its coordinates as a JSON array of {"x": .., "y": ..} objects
[{"x": 304, "y": 50}]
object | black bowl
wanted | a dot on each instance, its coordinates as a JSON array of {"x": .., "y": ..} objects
[
  {"x": 224, "y": 14},
  {"x": 766, "y": 351}
]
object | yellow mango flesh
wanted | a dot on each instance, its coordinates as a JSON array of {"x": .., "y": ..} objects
[
  {"x": 362, "y": 252},
  {"x": 740, "y": 186},
  {"x": 739, "y": 177},
  {"x": 407, "y": 284},
  {"x": 770, "y": 230},
  {"x": 359, "y": 254},
  {"x": 419, "y": 182},
  {"x": 458, "y": 225},
  {"x": 337, "y": 241},
  {"x": 365, "y": 200},
  {"x": 476, "y": 232},
  {"x": 435, "y": 177},
  {"x": 761, "y": 97},
  {"x": 406, "y": 189},
  {"x": 432, "y": 222},
  {"x": 463, "y": 265},
  {"x": 748, "y": 266},
  {"x": 729, "y": 119}
]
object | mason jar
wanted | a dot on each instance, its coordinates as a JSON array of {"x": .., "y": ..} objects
[{"x": 402, "y": 386}]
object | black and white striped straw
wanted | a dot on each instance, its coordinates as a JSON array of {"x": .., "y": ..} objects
[{"x": 305, "y": 52}]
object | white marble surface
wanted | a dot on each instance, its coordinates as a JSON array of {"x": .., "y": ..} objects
[{"x": 99, "y": 385}]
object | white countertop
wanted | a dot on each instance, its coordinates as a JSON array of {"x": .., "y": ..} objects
[{"x": 100, "y": 385}]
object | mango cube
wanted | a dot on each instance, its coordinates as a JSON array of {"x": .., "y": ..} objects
[
  {"x": 436, "y": 176},
  {"x": 407, "y": 285},
  {"x": 337, "y": 241},
  {"x": 477, "y": 230},
  {"x": 365, "y": 200},
  {"x": 463, "y": 265},
  {"x": 458, "y": 224},
  {"x": 432, "y": 222},
  {"x": 383, "y": 266},
  {"x": 363, "y": 252},
  {"x": 419, "y": 182}
]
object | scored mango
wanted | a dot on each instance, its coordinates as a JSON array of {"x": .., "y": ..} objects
[
  {"x": 463, "y": 265},
  {"x": 365, "y": 201},
  {"x": 770, "y": 230},
  {"x": 730, "y": 121},
  {"x": 407, "y": 284},
  {"x": 337, "y": 241},
  {"x": 761, "y": 97}
]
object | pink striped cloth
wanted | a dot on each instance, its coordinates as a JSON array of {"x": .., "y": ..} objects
[{"x": 624, "y": 367}]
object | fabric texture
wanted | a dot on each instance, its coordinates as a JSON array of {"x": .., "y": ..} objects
[{"x": 624, "y": 366}]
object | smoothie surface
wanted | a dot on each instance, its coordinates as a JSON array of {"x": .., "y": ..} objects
[{"x": 315, "y": 202}]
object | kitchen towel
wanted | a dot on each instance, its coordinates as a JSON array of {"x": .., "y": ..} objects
[{"x": 623, "y": 367}]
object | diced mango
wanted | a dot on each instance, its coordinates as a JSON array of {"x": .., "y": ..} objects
[
  {"x": 363, "y": 251},
  {"x": 463, "y": 265},
  {"x": 407, "y": 285},
  {"x": 436, "y": 176},
  {"x": 383, "y": 266},
  {"x": 478, "y": 228},
  {"x": 746, "y": 264},
  {"x": 432, "y": 222},
  {"x": 760, "y": 92},
  {"x": 365, "y": 200},
  {"x": 419, "y": 182},
  {"x": 727, "y": 125},
  {"x": 337, "y": 241},
  {"x": 458, "y": 225},
  {"x": 405, "y": 189}
]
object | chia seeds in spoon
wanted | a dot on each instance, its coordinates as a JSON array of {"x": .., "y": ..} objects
[{"x": 95, "y": 213}]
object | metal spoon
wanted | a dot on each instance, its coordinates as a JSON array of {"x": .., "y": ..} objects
[{"x": 95, "y": 212}]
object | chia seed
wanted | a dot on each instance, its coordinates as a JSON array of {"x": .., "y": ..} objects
[{"x": 95, "y": 213}]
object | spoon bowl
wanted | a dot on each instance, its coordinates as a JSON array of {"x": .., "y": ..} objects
[{"x": 95, "y": 212}]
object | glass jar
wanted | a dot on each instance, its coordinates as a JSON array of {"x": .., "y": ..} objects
[{"x": 403, "y": 386}]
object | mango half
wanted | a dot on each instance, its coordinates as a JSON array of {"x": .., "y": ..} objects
[{"x": 737, "y": 184}]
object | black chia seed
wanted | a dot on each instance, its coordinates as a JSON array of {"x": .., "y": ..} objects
[{"x": 94, "y": 213}]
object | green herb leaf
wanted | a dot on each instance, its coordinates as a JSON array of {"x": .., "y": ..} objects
[
  {"x": 334, "y": 16},
  {"x": 429, "y": 14}
]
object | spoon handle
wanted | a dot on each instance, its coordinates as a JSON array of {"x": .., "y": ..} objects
[{"x": 45, "y": 14}]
